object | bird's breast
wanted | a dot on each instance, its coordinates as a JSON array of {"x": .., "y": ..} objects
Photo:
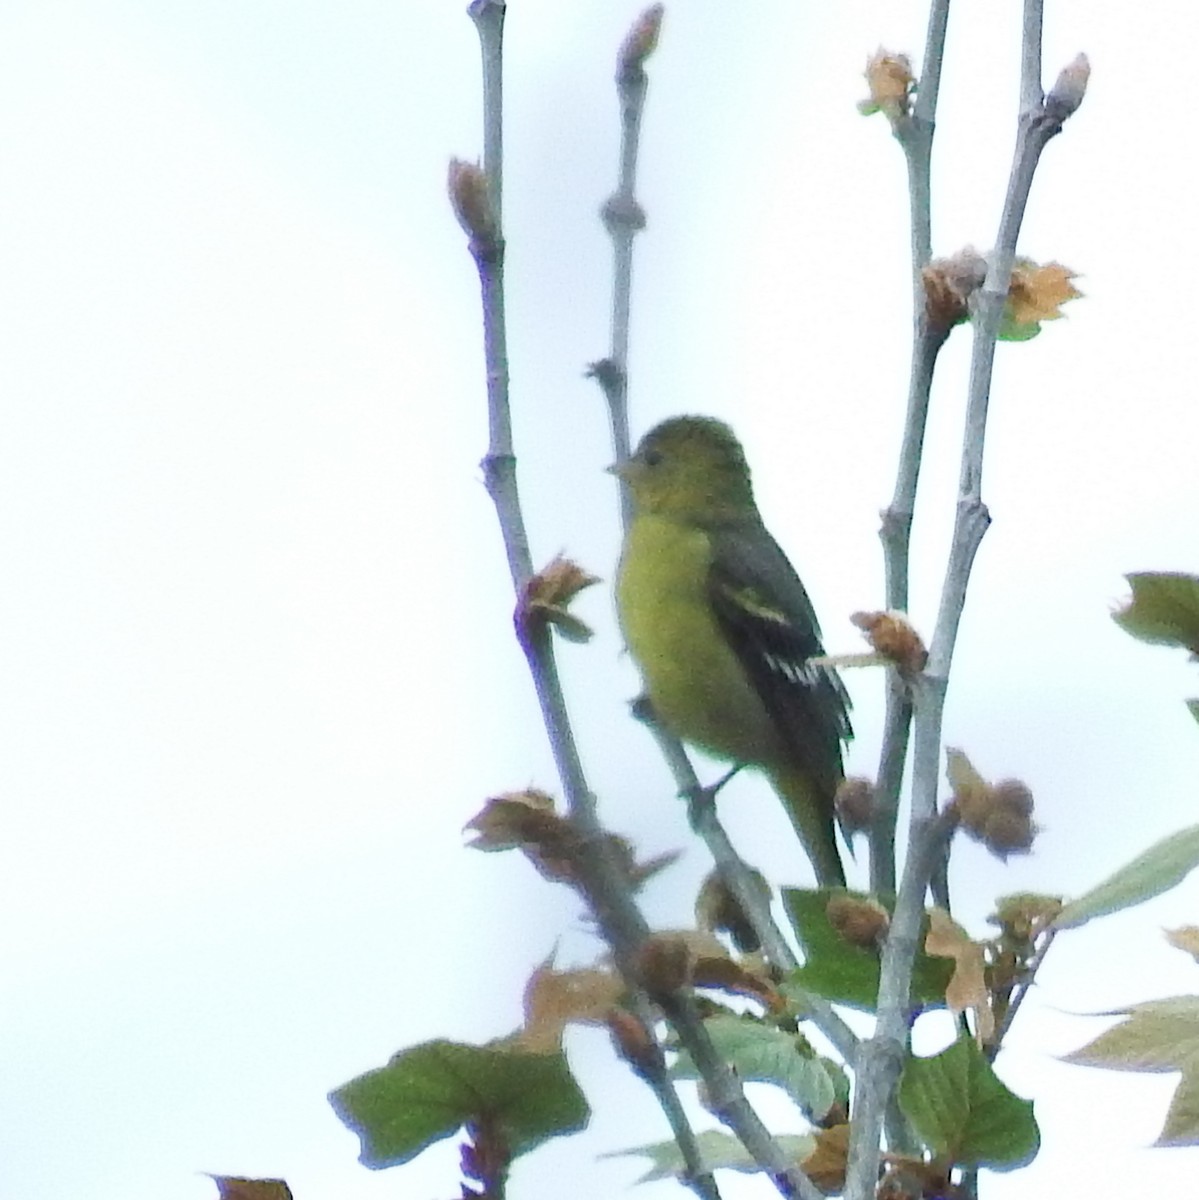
[{"x": 693, "y": 678}]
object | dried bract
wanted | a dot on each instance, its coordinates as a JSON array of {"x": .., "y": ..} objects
[
  {"x": 892, "y": 635},
  {"x": 547, "y": 597}
]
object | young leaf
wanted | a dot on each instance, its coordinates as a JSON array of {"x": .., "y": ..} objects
[
  {"x": 962, "y": 1111},
  {"x": 232, "y": 1187},
  {"x": 762, "y": 1054},
  {"x": 1185, "y": 939},
  {"x": 430, "y": 1091},
  {"x": 967, "y": 989},
  {"x": 1164, "y": 609},
  {"x": 825, "y": 1166},
  {"x": 1161, "y": 1035},
  {"x": 848, "y": 974},
  {"x": 1164, "y": 865},
  {"x": 1036, "y": 293},
  {"x": 719, "y": 1151}
]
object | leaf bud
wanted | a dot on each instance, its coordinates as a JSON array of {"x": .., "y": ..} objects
[
  {"x": 854, "y": 804},
  {"x": 471, "y": 200},
  {"x": 857, "y": 919},
  {"x": 1067, "y": 93},
  {"x": 663, "y": 964},
  {"x": 890, "y": 81},
  {"x": 641, "y": 41}
]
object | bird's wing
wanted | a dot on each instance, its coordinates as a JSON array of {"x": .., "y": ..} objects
[{"x": 764, "y": 612}]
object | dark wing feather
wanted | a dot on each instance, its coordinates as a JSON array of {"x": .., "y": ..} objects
[{"x": 766, "y": 615}]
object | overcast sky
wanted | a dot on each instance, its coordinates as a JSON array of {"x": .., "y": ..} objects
[{"x": 257, "y": 663}]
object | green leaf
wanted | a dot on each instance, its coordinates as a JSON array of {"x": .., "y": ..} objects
[
  {"x": 836, "y": 1072},
  {"x": 762, "y": 1054},
  {"x": 1161, "y": 1035},
  {"x": 1014, "y": 331},
  {"x": 848, "y": 974},
  {"x": 1164, "y": 865},
  {"x": 719, "y": 1151},
  {"x": 961, "y": 1110},
  {"x": 1164, "y": 609},
  {"x": 430, "y": 1091}
]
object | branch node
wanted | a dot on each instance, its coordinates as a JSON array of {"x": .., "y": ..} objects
[{"x": 622, "y": 214}]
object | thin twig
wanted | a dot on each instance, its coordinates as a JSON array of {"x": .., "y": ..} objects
[
  {"x": 726, "y": 1098},
  {"x": 600, "y": 877},
  {"x": 624, "y": 217},
  {"x": 881, "y": 1057},
  {"x": 914, "y": 131},
  {"x": 1029, "y": 976},
  {"x": 738, "y": 877}
]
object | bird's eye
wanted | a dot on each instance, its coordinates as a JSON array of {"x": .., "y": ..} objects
[{"x": 651, "y": 458}]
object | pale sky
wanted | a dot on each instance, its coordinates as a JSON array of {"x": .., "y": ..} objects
[{"x": 257, "y": 657}]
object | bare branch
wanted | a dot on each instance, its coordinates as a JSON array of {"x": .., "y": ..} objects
[
  {"x": 1040, "y": 119},
  {"x": 914, "y": 132},
  {"x": 624, "y": 218},
  {"x": 600, "y": 876}
]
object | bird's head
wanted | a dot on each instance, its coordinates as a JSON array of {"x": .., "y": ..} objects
[{"x": 689, "y": 467}]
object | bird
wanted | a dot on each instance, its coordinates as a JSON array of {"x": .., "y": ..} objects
[{"x": 721, "y": 628}]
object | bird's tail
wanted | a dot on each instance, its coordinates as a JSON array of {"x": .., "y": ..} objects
[{"x": 810, "y": 808}]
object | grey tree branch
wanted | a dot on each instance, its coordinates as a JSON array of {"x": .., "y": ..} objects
[
  {"x": 624, "y": 217},
  {"x": 881, "y": 1057},
  {"x": 914, "y": 132},
  {"x": 477, "y": 200},
  {"x": 602, "y": 881}
]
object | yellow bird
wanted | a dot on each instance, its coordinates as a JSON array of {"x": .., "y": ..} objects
[{"x": 722, "y": 629}]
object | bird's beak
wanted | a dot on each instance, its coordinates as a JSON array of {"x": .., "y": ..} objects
[{"x": 620, "y": 470}]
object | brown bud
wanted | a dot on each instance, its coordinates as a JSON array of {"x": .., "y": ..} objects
[
  {"x": 641, "y": 40},
  {"x": 547, "y": 596},
  {"x": 718, "y": 909},
  {"x": 891, "y": 82},
  {"x": 511, "y": 820},
  {"x": 632, "y": 1040},
  {"x": 860, "y": 921},
  {"x": 471, "y": 200},
  {"x": 948, "y": 285},
  {"x": 663, "y": 964},
  {"x": 998, "y": 815},
  {"x": 1007, "y": 831},
  {"x": 891, "y": 635},
  {"x": 527, "y": 821},
  {"x": 854, "y": 804},
  {"x": 1025, "y": 914},
  {"x": 1014, "y": 795}
]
